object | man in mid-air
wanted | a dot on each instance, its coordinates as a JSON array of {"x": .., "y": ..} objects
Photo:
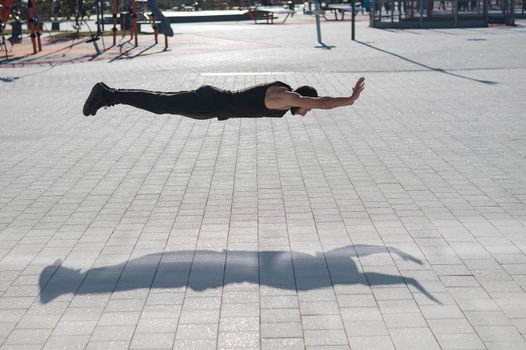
[{"x": 264, "y": 100}]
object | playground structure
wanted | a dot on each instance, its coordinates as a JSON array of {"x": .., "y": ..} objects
[
  {"x": 16, "y": 13},
  {"x": 8, "y": 10}
]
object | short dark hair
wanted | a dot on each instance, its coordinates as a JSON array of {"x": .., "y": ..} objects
[{"x": 304, "y": 90}]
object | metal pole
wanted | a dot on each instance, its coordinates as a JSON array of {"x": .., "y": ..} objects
[
  {"x": 54, "y": 22},
  {"x": 98, "y": 6},
  {"x": 114, "y": 20},
  {"x": 421, "y": 13},
  {"x": 352, "y": 20},
  {"x": 31, "y": 25},
  {"x": 511, "y": 21},
  {"x": 37, "y": 24},
  {"x": 133, "y": 22},
  {"x": 485, "y": 11},
  {"x": 102, "y": 15},
  {"x": 455, "y": 12},
  {"x": 317, "y": 12},
  {"x": 372, "y": 14}
]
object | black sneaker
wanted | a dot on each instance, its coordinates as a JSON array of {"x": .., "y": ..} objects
[{"x": 100, "y": 96}]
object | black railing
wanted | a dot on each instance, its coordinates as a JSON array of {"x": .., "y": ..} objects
[{"x": 441, "y": 13}]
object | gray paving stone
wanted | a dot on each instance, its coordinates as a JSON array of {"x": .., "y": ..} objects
[
  {"x": 281, "y": 330},
  {"x": 322, "y": 322},
  {"x": 229, "y": 340},
  {"x": 110, "y": 345},
  {"x": 119, "y": 318},
  {"x": 74, "y": 328},
  {"x": 505, "y": 345},
  {"x": 498, "y": 334},
  {"x": 152, "y": 341},
  {"x": 365, "y": 328},
  {"x": 287, "y": 343},
  {"x": 238, "y": 324},
  {"x": 413, "y": 338},
  {"x": 281, "y": 315},
  {"x": 325, "y": 337},
  {"x": 118, "y": 333},
  {"x": 161, "y": 325},
  {"x": 66, "y": 342},
  {"x": 28, "y": 336},
  {"x": 196, "y": 331},
  {"x": 405, "y": 320},
  {"x": 460, "y": 341},
  {"x": 373, "y": 342}
]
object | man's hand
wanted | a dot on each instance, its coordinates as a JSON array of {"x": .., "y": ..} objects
[{"x": 358, "y": 88}]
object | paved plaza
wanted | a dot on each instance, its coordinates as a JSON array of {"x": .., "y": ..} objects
[{"x": 397, "y": 223}]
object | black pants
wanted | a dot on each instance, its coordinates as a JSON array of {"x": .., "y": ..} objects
[{"x": 203, "y": 103}]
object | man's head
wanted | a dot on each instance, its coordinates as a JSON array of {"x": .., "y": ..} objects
[{"x": 304, "y": 91}]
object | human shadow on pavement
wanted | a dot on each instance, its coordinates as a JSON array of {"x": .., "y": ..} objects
[
  {"x": 126, "y": 54},
  {"x": 440, "y": 70},
  {"x": 8, "y": 79},
  {"x": 203, "y": 269},
  {"x": 32, "y": 58}
]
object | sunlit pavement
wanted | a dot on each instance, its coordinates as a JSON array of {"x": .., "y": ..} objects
[{"x": 399, "y": 222}]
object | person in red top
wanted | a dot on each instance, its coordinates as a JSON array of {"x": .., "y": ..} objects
[{"x": 265, "y": 100}]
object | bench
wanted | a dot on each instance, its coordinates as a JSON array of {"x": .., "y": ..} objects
[
  {"x": 342, "y": 8},
  {"x": 156, "y": 30},
  {"x": 269, "y": 13},
  {"x": 140, "y": 23}
]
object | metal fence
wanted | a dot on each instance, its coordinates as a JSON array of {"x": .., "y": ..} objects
[{"x": 442, "y": 13}]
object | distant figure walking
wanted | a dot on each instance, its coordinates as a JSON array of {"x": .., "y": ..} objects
[{"x": 265, "y": 100}]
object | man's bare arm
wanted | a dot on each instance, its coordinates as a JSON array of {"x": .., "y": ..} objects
[
  {"x": 322, "y": 102},
  {"x": 296, "y": 100}
]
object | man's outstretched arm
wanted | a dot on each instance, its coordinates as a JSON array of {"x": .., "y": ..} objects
[{"x": 296, "y": 100}]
